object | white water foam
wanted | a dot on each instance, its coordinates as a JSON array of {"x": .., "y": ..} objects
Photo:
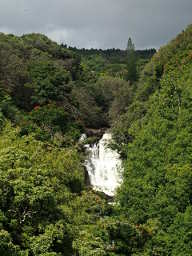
[{"x": 104, "y": 166}]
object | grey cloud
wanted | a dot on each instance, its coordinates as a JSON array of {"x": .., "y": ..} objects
[{"x": 98, "y": 23}]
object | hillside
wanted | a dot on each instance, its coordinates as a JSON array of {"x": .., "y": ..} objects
[
  {"x": 39, "y": 78},
  {"x": 155, "y": 135},
  {"x": 44, "y": 201}
]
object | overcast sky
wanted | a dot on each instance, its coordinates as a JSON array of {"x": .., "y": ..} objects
[{"x": 98, "y": 23}]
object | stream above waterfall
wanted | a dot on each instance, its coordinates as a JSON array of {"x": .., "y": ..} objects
[{"x": 104, "y": 166}]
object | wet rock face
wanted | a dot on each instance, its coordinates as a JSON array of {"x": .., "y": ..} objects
[
  {"x": 95, "y": 132},
  {"x": 104, "y": 166}
]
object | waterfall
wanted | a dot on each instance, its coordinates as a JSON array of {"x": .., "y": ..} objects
[{"x": 104, "y": 166}]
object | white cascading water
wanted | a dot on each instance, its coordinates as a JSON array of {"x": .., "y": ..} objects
[{"x": 104, "y": 166}]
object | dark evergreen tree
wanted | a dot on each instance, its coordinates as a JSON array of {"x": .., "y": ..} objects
[{"x": 131, "y": 61}]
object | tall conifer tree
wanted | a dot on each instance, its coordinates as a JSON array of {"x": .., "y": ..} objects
[{"x": 131, "y": 61}]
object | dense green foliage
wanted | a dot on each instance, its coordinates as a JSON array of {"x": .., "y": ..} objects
[
  {"x": 42, "y": 199},
  {"x": 47, "y": 98},
  {"x": 154, "y": 136},
  {"x": 111, "y": 62},
  {"x": 49, "y": 95}
]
